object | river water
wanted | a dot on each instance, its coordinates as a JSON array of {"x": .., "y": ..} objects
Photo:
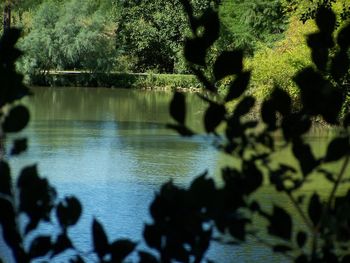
[{"x": 110, "y": 148}]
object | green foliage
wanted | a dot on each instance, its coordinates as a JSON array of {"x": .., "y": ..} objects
[
  {"x": 153, "y": 32},
  {"x": 74, "y": 34},
  {"x": 252, "y": 23}
]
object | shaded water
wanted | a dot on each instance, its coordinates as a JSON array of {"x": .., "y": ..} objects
[{"x": 110, "y": 148}]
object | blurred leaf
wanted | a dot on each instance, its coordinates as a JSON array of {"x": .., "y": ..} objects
[
  {"x": 5, "y": 178},
  {"x": 228, "y": 63},
  {"x": 36, "y": 196},
  {"x": 19, "y": 146},
  {"x": 268, "y": 114},
  {"x": 237, "y": 229},
  {"x": 281, "y": 101},
  {"x": 68, "y": 211},
  {"x": 178, "y": 107},
  {"x": 304, "y": 155},
  {"x": 40, "y": 246},
  {"x": 195, "y": 51},
  {"x": 238, "y": 86},
  {"x": 253, "y": 177},
  {"x": 315, "y": 209},
  {"x": 280, "y": 223},
  {"x": 16, "y": 120},
  {"x": 340, "y": 65},
  {"x": 61, "y": 244},
  {"x": 146, "y": 257},
  {"x": 214, "y": 115},
  {"x": 100, "y": 241},
  {"x": 152, "y": 236},
  {"x": 244, "y": 106},
  {"x": 294, "y": 125},
  {"x": 120, "y": 249},
  {"x": 325, "y": 20},
  {"x": 210, "y": 21},
  {"x": 343, "y": 38},
  {"x": 337, "y": 148},
  {"x": 301, "y": 239}
]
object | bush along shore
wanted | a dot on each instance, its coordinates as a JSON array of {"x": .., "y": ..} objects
[{"x": 180, "y": 82}]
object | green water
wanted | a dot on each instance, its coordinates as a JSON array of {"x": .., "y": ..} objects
[{"x": 110, "y": 148}]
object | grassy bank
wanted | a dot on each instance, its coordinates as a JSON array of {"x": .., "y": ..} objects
[{"x": 116, "y": 80}]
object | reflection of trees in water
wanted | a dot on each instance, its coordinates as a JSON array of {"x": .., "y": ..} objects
[
  {"x": 129, "y": 120},
  {"x": 106, "y": 104}
]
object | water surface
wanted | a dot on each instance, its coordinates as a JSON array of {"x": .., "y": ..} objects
[{"x": 111, "y": 149}]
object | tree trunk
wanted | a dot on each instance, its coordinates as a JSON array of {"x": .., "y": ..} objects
[{"x": 7, "y": 16}]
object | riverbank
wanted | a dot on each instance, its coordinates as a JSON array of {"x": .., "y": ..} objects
[{"x": 184, "y": 82}]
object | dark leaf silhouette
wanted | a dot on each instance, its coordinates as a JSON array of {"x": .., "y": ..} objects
[
  {"x": 100, "y": 241},
  {"x": 340, "y": 65},
  {"x": 238, "y": 86},
  {"x": 214, "y": 115},
  {"x": 61, "y": 244},
  {"x": 268, "y": 114},
  {"x": 301, "y": 238},
  {"x": 244, "y": 106},
  {"x": 315, "y": 209},
  {"x": 36, "y": 196},
  {"x": 228, "y": 63},
  {"x": 19, "y": 146},
  {"x": 337, "y": 149},
  {"x": 195, "y": 51},
  {"x": 16, "y": 120},
  {"x": 153, "y": 236},
  {"x": 343, "y": 38},
  {"x": 325, "y": 20},
  {"x": 40, "y": 246},
  {"x": 304, "y": 155},
  {"x": 178, "y": 107},
  {"x": 5, "y": 178},
  {"x": 280, "y": 223},
  {"x": 146, "y": 257},
  {"x": 120, "y": 249},
  {"x": 68, "y": 211}
]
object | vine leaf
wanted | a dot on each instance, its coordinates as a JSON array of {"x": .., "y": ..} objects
[
  {"x": 68, "y": 211},
  {"x": 337, "y": 149},
  {"x": 301, "y": 238},
  {"x": 100, "y": 239},
  {"x": 178, "y": 107},
  {"x": 280, "y": 223},
  {"x": 40, "y": 246},
  {"x": 213, "y": 116},
  {"x": 16, "y": 120},
  {"x": 120, "y": 249},
  {"x": 19, "y": 146},
  {"x": 315, "y": 209},
  {"x": 146, "y": 257},
  {"x": 5, "y": 179},
  {"x": 228, "y": 63},
  {"x": 238, "y": 86}
]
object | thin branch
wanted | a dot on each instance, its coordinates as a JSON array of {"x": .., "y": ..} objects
[
  {"x": 301, "y": 212},
  {"x": 337, "y": 182}
]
